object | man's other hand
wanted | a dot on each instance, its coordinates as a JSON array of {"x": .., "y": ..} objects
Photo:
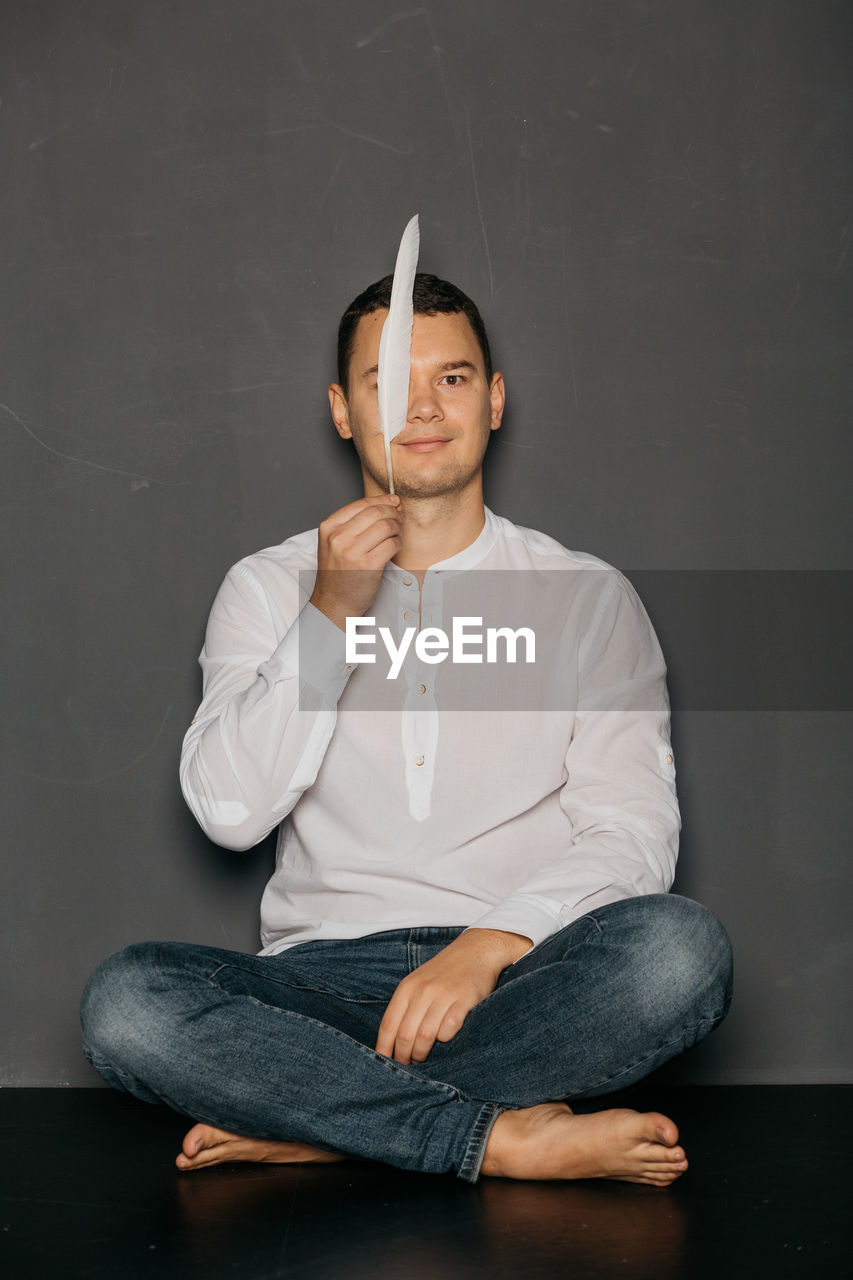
[
  {"x": 354, "y": 545},
  {"x": 433, "y": 1001}
]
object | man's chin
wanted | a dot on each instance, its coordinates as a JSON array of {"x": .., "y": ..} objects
[
  {"x": 425, "y": 489},
  {"x": 429, "y": 486}
]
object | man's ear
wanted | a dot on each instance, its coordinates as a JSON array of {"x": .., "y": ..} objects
[
  {"x": 497, "y": 397},
  {"x": 340, "y": 411}
]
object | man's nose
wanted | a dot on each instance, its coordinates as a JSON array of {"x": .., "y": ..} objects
[{"x": 423, "y": 402}]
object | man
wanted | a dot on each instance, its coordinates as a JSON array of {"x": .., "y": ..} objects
[{"x": 469, "y": 922}]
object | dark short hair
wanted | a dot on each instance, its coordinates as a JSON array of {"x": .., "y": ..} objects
[{"x": 431, "y": 297}]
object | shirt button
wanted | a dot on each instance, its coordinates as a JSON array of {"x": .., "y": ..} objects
[
  {"x": 668, "y": 759},
  {"x": 421, "y": 688},
  {"x": 348, "y": 667},
  {"x": 407, "y": 615},
  {"x": 419, "y": 759},
  {"x": 407, "y": 582}
]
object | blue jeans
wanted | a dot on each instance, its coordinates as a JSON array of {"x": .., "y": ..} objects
[{"x": 281, "y": 1046}]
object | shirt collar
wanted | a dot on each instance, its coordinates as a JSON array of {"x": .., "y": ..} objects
[{"x": 468, "y": 557}]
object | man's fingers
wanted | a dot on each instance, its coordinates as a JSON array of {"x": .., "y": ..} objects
[
  {"x": 373, "y": 535},
  {"x": 348, "y": 544},
  {"x": 404, "y": 1038},
  {"x": 437, "y": 1024},
  {"x": 411, "y": 1048},
  {"x": 451, "y": 1023},
  {"x": 424, "y": 1041},
  {"x": 390, "y": 1024},
  {"x": 416, "y": 1036},
  {"x": 387, "y": 1034},
  {"x": 352, "y": 509},
  {"x": 363, "y": 521},
  {"x": 420, "y": 1012},
  {"x": 407, "y": 1031}
]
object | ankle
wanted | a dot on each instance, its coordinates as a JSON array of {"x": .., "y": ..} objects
[{"x": 498, "y": 1141}]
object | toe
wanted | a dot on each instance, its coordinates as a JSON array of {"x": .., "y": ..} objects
[
  {"x": 663, "y": 1177},
  {"x": 663, "y": 1129},
  {"x": 193, "y": 1140},
  {"x": 669, "y": 1155},
  {"x": 206, "y": 1156}
]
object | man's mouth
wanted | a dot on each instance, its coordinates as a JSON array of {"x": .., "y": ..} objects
[{"x": 425, "y": 444}]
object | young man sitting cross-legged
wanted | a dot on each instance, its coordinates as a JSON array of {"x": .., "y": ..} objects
[{"x": 468, "y": 926}]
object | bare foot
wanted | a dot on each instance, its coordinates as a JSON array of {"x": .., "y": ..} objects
[
  {"x": 550, "y": 1141},
  {"x": 204, "y": 1145}
]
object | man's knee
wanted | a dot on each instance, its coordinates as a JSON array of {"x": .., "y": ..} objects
[
  {"x": 690, "y": 954},
  {"x": 114, "y": 1007}
]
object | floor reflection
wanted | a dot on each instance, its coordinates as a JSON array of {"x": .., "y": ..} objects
[{"x": 357, "y": 1219}]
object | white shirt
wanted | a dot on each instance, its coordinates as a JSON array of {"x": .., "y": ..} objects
[{"x": 518, "y": 803}]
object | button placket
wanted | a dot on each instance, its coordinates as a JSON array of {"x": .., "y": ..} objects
[{"x": 417, "y": 606}]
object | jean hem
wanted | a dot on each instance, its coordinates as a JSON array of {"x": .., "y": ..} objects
[{"x": 469, "y": 1170}]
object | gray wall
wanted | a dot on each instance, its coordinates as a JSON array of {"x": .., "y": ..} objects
[{"x": 651, "y": 201}]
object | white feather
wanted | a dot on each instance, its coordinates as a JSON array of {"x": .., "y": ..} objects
[{"x": 395, "y": 344}]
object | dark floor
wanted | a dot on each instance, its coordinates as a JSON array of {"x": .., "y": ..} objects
[{"x": 89, "y": 1189}]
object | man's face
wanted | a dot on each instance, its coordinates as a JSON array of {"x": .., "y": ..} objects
[{"x": 453, "y": 408}]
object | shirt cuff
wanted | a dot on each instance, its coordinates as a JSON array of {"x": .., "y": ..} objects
[
  {"x": 314, "y": 650},
  {"x": 534, "y": 917}
]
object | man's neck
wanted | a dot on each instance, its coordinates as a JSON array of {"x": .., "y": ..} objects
[{"x": 436, "y": 528}]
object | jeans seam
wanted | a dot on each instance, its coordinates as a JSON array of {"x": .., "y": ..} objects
[
  {"x": 714, "y": 1020},
  {"x": 398, "y": 1067},
  {"x": 296, "y": 986}
]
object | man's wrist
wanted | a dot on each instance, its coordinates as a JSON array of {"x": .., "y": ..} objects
[
  {"x": 502, "y": 948},
  {"x": 330, "y": 610}
]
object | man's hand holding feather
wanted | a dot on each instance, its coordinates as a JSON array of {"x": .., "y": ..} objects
[{"x": 353, "y": 547}]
